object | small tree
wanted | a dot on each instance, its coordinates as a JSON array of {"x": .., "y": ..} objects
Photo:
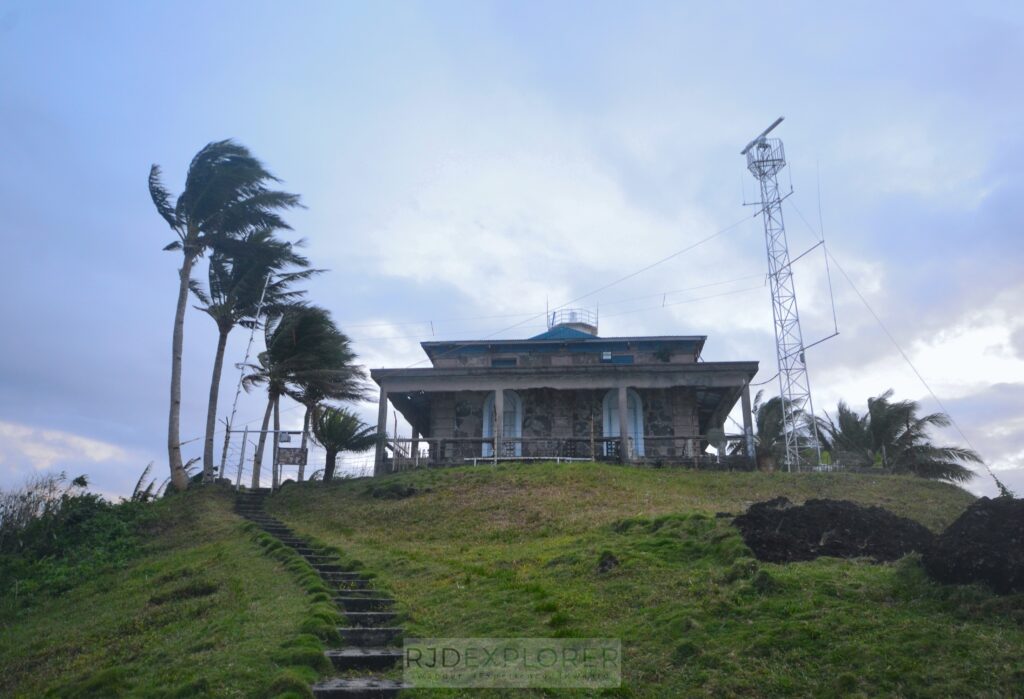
[
  {"x": 337, "y": 430},
  {"x": 770, "y": 430}
]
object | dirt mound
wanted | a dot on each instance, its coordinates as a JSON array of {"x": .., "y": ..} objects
[
  {"x": 779, "y": 531},
  {"x": 986, "y": 544}
]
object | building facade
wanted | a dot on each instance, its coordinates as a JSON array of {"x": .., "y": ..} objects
[{"x": 564, "y": 394}]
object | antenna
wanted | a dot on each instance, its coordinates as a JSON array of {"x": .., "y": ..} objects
[
  {"x": 761, "y": 135},
  {"x": 765, "y": 158}
]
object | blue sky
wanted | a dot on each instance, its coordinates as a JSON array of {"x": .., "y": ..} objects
[{"x": 469, "y": 160}]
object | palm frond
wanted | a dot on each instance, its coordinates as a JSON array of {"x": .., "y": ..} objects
[
  {"x": 138, "y": 492},
  {"x": 161, "y": 198}
]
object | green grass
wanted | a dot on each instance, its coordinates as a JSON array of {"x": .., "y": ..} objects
[
  {"x": 514, "y": 551},
  {"x": 197, "y": 611}
]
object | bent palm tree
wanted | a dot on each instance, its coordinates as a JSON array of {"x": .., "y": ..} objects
[
  {"x": 891, "y": 435},
  {"x": 245, "y": 282},
  {"x": 304, "y": 348},
  {"x": 226, "y": 195},
  {"x": 338, "y": 379},
  {"x": 338, "y": 430}
]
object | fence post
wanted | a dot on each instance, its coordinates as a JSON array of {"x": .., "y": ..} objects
[{"x": 241, "y": 459}]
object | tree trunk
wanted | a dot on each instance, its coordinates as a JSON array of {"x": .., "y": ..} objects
[
  {"x": 332, "y": 456},
  {"x": 257, "y": 460},
  {"x": 211, "y": 408},
  {"x": 277, "y": 440},
  {"x": 305, "y": 431},
  {"x": 179, "y": 479}
]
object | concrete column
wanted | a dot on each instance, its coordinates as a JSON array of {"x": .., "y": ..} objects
[
  {"x": 382, "y": 426},
  {"x": 414, "y": 449},
  {"x": 624, "y": 424},
  {"x": 748, "y": 422},
  {"x": 499, "y": 420}
]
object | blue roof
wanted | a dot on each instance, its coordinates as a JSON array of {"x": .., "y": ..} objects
[{"x": 562, "y": 332}]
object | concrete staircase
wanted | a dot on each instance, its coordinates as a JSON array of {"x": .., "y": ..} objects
[{"x": 371, "y": 641}]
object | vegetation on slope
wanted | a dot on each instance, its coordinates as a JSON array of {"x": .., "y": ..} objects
[
  {"x": 515, "y": 550},
  {"x": 172, "y": 598}
]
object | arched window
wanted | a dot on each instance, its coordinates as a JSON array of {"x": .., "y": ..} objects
[
  {"x": 513, "y": 427},
  {"x": 634, "y": 418}
]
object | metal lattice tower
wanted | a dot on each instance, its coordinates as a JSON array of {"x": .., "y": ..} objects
[{"x": 765, "y": 158}]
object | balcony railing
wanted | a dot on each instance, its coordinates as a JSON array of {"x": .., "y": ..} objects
[{"x": 426, "y": 452}]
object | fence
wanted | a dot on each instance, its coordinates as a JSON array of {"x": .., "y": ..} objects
[{"x": 427, "y": 452}]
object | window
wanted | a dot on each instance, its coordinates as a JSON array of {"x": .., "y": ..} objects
[
  {"x": 512, "y": 423},
  {"x": 503, "y": 361},
  {"x": 609, "y": 358},
  {"x": 634, "y": 420}
]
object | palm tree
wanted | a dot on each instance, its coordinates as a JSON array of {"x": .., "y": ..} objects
[
  {"x": 893, "y": 436},
  {"x": 770, "y": 430},
  {"x": 338, "y": 379},
  {"x": 338, "y": 430},
  {"x": 245, "y": 282},
  {"x": 226, "y": 195},
  {"x": 304, "y": 349}
]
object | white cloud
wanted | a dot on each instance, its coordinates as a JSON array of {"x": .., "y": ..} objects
[
  {"x": 971, "y": 353},
  {"x": 45, "y": 449},
  {"x": 911, "y": 155}
]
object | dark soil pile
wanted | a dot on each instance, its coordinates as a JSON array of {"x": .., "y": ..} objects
[
  {"x": 986, "y": 544},
  {"x": 778, "y": 531}
]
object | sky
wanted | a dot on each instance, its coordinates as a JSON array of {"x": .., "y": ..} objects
[{"x": 466, "y": 164}]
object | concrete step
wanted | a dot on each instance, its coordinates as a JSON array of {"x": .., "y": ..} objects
[
  {"x": 347, "y": 585},
  {"x": 358, "y": 688},
  {"x": 364, "y": 604},
  {"x": 375, "y": 618},
  {"x": 320, "y": 558},
  {"x": 373, "y": 636},
  {"x": 364, "y": 658},
  {"x": 361, "y": 592},
  {"x": 342, "y": 575},
  {"x": 325, "y": 567}
]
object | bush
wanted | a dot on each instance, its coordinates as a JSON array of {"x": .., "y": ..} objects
[{"x": 53, "y": 534}]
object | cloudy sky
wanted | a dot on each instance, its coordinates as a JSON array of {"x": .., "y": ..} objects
[{"x": 464, "y": 164}]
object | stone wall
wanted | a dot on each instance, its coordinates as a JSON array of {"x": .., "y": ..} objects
[
  {"x": 561, "y": 415},
  {"x": 668, "y": 413},
  {"x": 457, "y": 414}
]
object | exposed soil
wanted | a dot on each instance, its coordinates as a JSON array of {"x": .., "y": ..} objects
[
  {"x": 778, "y": 531},
  {"x": 392, "y": 491},
  {"x": 607, "y": 562},
  {"x": 986, "y": 545}
]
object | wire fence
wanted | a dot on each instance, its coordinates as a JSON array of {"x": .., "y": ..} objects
[{"x": 240, "y": 460}]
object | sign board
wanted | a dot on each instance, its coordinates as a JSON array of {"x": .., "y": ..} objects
[{"x": 287, "y": 456}]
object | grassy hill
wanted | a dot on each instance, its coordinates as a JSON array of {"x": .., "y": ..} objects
[
  {"x": 198, "y": 608},
  {"x": 514, "y": 550},
  {"x": 193, "y": 610}
]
